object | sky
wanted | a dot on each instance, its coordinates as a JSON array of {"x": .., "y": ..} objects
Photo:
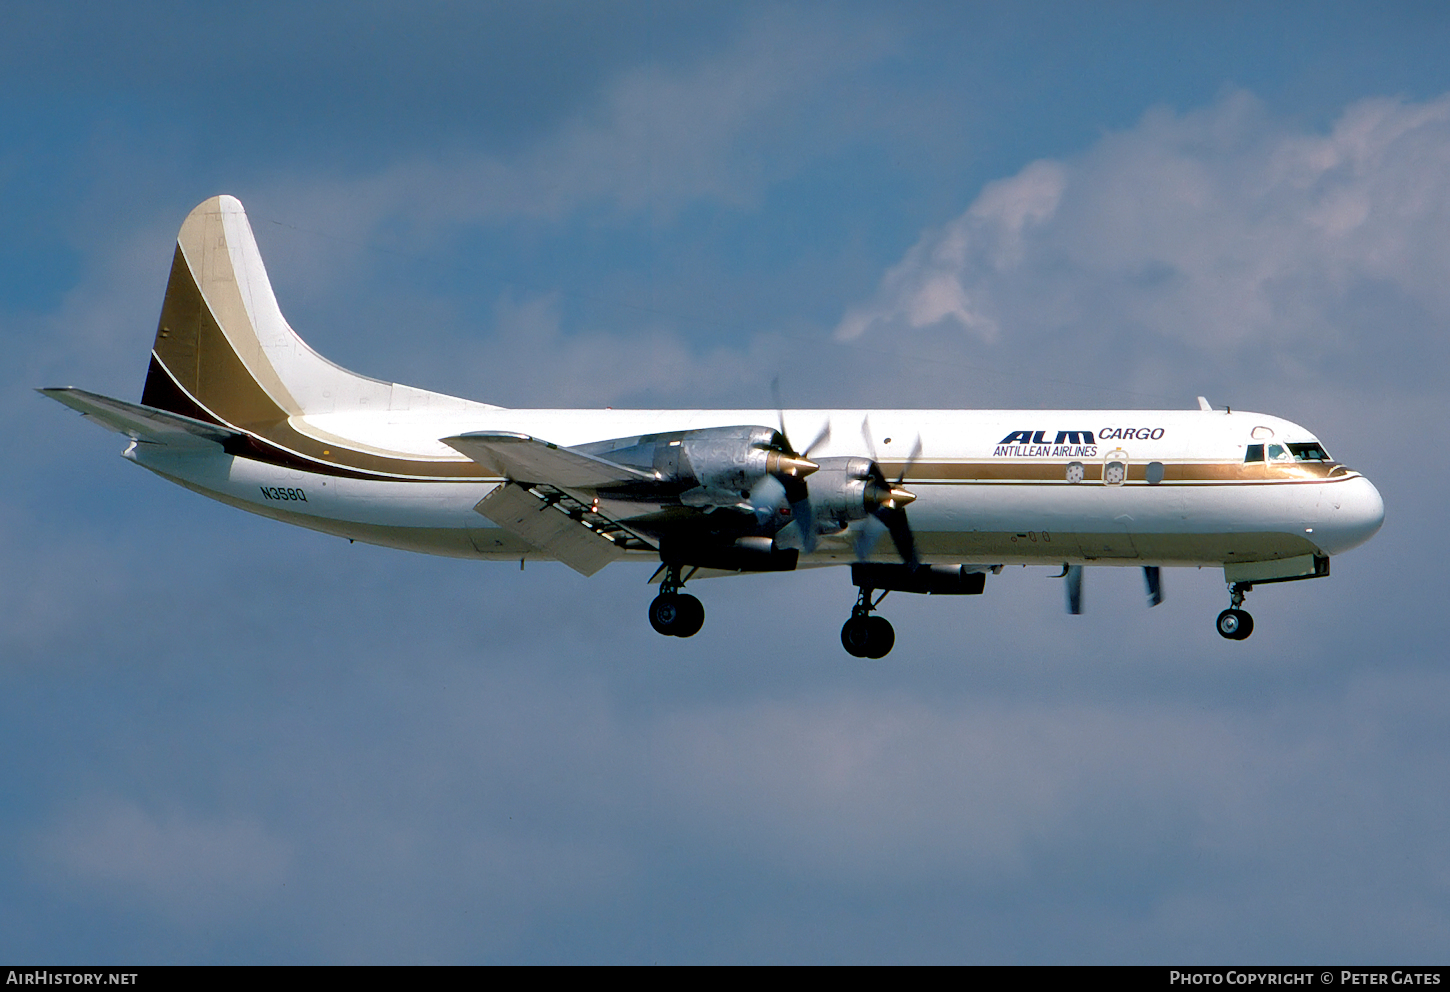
[{"x": 228, "y": 740}]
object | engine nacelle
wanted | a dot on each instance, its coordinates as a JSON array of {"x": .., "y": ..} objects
[
  {"x": 842, "y": 489},
  {"x": 731, "y": 459},
  {"x": 713, "y": 466}
]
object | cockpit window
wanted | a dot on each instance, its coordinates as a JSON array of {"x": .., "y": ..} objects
[{"x": 1310, "y": 452}]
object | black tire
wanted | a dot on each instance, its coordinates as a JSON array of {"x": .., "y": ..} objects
[
  {"x": 1235, "y": 624},
  {"x": 881, "y": 637},
  {"x": 691, "y": 616},
  {"x": 856, "y": 637},
  {"x": 665, "y": 613}
]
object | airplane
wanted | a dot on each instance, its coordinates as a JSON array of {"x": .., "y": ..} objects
[{"x": 237, "y": 407}]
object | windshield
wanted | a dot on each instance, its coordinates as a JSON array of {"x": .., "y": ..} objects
[{"x": 1310, "y": 452}]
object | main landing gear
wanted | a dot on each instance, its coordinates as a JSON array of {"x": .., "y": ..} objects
[
  {"x": 675, "y": 613},
  {"x": 866, "y": 636},
  {"x": 1235, "y": 623}
]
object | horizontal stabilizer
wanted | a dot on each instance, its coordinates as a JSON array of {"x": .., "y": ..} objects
[
  {"x": 527, "y": 459},
  {"x": 557, "y": 534},
  {"x": 141, "y": 423}
]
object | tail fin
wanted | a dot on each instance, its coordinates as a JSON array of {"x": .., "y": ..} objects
[{"x": 225, "y": 354}]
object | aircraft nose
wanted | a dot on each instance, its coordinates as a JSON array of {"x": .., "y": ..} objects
[{"x": 1351, "y": 513}]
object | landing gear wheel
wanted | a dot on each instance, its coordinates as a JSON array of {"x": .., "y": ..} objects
[
  {"x": 864, "y": 635},
  {"x": 868, "y": 637},
  {"x": 676, "y": 614},
  {"x": 1235, "y": 624}
]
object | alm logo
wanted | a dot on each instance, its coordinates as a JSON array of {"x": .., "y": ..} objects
[
  {"x": 1039, "y": 437},
  {"x": 1034, "y": 444}
]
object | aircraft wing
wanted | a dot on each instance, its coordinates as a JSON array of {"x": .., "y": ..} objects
[
  {"x": 141, "y": 423},
  {"x": 526, "y": 459}
]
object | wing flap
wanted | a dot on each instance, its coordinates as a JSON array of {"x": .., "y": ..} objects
[
  {"x": 141, "y": 423},
  {"x": 556, "y": 533},
  {"x": 527, "y": 459}
]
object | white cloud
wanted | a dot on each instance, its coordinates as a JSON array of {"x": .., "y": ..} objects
[
  {"x": 1219, "y": 229},
  {"x": 927, "y": 288}
]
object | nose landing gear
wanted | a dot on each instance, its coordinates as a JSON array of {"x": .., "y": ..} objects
[
  {"x": 864, "y": 635},
  {"x": 675, "y": 613},
  {"x": 1235, "y": 623}
]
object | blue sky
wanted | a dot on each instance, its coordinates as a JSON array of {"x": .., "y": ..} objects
[{"x": 227, "y": 740}]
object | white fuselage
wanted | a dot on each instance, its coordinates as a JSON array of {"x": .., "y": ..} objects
[{"x": 1185, "y": 495}]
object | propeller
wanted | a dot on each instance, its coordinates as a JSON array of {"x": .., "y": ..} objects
[
  {"x": 789, "y": 470},
  {"x": 886, "y": 502}
]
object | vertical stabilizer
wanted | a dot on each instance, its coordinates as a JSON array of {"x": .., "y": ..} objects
[{"x": 223, "y": 350}]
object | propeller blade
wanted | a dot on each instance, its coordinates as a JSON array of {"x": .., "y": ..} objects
[
  {"x": 766, "y": 498},
  {"x": 779, "y": 407},
  {"x": 822, "y": 436},
  {"x": 910, "y": 461},
  {"x": 805, "y": 519},
  {"x": 798, "y": 495},
  {"x": 867, "y": 537},
  {"x": 1153, "y": 578},
  {"x": 866, "y": 433},
  {"x": 1073, "y": 581},
  {"x": 895, "y": 521}
]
